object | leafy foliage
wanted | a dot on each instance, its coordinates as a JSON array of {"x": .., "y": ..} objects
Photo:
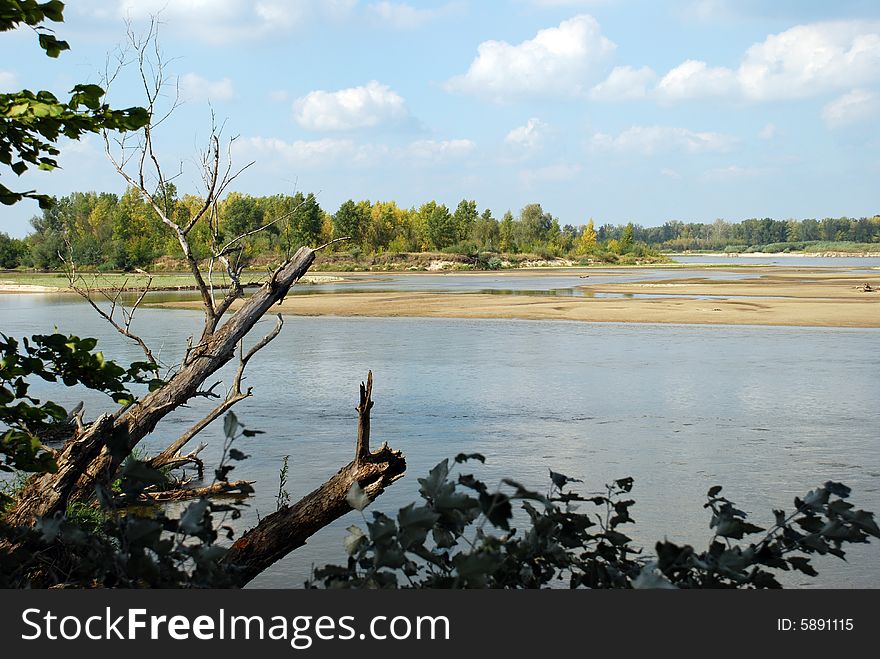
[
  {"x": 462, "y": 535},
  {"x": 103, "y": 546},
  {"x": 53, "y": 358},
  {"x": 31, "y": 122}
]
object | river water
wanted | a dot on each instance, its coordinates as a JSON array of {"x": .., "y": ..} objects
[{"x": 768, "y": 412}]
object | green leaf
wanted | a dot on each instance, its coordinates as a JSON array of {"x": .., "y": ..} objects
[
  {"x": 430, "y": 486},
  {"x": 193, "y": 520},
  {"x": 356, "y": 497},
  {"x": 230, "y": 424},
  {"x": 353, "y": 540}
]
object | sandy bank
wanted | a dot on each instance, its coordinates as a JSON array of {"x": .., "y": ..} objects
[{"x": 788, "y": 311}]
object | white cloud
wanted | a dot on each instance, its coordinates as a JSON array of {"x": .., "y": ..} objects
[
  {"x": 344, "y": 152},
  {"x": 530, "y": 137},
  {"x": 438, "y": 150},
  {"x": 670, "y": 173},
  {"x": 557, "y": 61},
  {"x": 803, "y": 61},
  {"x": 857, "y": 106},
  {"x": 8, "y": 81},
  {"x": 768, "y": 132},
  {"x": 624, "y": 83},
  {"x": 367, "y": 106},
  {"x": 695, "y": 79},
  {"x": 401, "y": 15},
  {"x": 810, "y": 59},
  {"x": 279, "y": 95},
  {"x": 649, "y": 140},
  {"x": 222, "y": 22},
  {"x": 308, "y": 153},
  {"x": 194, "y": 87},
  {"x": 556, "y": 173}
]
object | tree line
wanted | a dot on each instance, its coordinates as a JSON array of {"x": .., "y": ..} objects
[{"x": 121, "y": 232}]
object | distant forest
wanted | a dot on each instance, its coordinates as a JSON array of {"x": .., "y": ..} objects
[{"x": 110, "y": 232}]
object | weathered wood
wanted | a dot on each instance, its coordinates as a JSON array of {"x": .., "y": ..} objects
[
  {"x": 50, "y": 493},
  {"x": 239, "y": 488},
  {"x": 283, "y": 531},
  {"x": 362, "y": 449}
]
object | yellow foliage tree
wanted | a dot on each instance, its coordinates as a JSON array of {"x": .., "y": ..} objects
[{"x": 588, "y": 239}]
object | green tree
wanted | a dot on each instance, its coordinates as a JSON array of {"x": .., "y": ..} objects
[
  {"x": 12, "y": 251},
  {"x": 534, "y": 225},
  {"x": 465, "y": 217},
  {"x": 486, "y": 232},
  {"x": 305, "y": 220},
  {"x": 31, "y": 123},
  {"x": 439, "y": 224},
  {"x": 626, "y": 239},
  {"x": 351, "y": 220},
  {"x": 505, "y": 232}
]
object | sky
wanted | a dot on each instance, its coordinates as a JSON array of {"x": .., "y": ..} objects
[{"x": 619, "y": 110}]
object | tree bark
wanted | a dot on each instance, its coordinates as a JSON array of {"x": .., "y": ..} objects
[
  {"x": 288, "y": 528},
  {"x": 283, "y": 531},
  {"x": 49, "y": 494}
]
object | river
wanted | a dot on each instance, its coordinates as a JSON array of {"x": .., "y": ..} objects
[{"x": 767, "y": 412}]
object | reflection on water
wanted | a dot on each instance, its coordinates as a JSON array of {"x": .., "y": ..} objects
[{"x": 768, "y": 412}]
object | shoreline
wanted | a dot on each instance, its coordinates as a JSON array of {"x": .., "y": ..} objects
[
  {"x": 681, "y": 311},
  {"x": 785, "y": 297}
]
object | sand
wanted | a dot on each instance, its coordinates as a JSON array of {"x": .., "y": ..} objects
[{"x": 795, "y": 297}]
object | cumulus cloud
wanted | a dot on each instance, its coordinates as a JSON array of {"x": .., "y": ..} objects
[
  {"x": 194, "y": 87},
  {"x": 695, "y": 79},
  {"x": 624, "y": 83},
  {"x": 8, "y": 81},
  {"x": 803, "y": 61},
  {"x": 855, "y": 107},
  {"x": 650, "y": 140},
  {"x": 558, "y": 60},
  {"x": 354, "y": 108},
  {"x": 529, "y": 137}
]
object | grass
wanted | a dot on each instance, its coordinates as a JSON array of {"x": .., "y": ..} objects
[{"x": 166, "y": 280}]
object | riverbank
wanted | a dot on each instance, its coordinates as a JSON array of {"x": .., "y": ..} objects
[
  {"x": 16, "y": 282},
  {"x": 796, "y": 297}
]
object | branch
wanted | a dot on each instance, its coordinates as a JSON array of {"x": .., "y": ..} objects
[
  {"x": 287, "y": 529},
  {"x": 362, "y": 449},
  {"x": 128, "y": 316},
  {"x": 234, "y": 396}
]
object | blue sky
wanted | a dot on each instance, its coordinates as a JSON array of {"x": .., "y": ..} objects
[{"x": 612, "y": 109}]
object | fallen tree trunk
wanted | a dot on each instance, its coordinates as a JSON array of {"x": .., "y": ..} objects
[
  {"x": 283, "y": 531},
  {"x": 232, "y": 488},
  {"x": 49, "y": 494},
  {"x": 287, "y": 529}
]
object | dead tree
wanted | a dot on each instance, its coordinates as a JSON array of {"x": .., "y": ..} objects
[{"x": 93, "y": 453}]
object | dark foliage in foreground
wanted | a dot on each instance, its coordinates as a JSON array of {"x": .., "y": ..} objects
[{"x": 461, "y": 535}]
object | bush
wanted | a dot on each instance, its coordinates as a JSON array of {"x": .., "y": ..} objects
[{"x": 461, "y": 535}]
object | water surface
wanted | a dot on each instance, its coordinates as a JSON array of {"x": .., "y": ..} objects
[{"x": 768, "y": 412}]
